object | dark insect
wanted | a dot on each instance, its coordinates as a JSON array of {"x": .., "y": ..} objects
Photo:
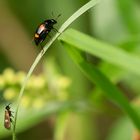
[
  {"x": 44, "y": 29},
  {"x": 8, "y": 117}
]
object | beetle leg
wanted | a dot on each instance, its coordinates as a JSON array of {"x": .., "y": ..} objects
[
  {"x": 42, "y": 51},
  {"x": 11, "y": 120},
  {"x": 49, "y": 36},
  {"x": 42, "y": 48},
  {"x": 56, "y": 30},
  {"x": 12, "y": 116},
  {"x": 12, "y": 111}
]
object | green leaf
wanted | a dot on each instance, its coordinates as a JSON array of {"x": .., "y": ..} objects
[
  {"x": 31, "y": 116},
  {"x": 103, "y": 82},
  {"x": 109, "y": 53},
  {"x": 122, "y": 130}
]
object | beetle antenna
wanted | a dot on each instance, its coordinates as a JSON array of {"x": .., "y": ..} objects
[
  {"x": 9, "y": 103},
  {"x": 58, "y": 16},
  {"x": 52, "y": 14}
]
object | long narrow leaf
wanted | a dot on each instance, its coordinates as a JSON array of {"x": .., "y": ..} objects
[
  {"x": 111, "y": 91},
  {"x": 109, "y": 53}
]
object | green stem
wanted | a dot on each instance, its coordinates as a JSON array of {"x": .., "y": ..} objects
[{"x": 78, "y": 13}]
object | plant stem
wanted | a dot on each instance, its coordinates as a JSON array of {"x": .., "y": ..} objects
[{"x": 78, "y": 13}]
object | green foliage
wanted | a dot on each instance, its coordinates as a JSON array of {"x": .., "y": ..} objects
[
  {"x": 79, "y": 12},
  {"x": 39, "y": 95},
  {"x": 96, "y": 76},
  {"x": 102, "y": 50},
  {"x": 111, "y": 64}
]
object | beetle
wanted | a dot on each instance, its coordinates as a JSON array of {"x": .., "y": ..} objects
[
  {"x": 44, "y": 29},
  {"x": 8, "y": 117}
]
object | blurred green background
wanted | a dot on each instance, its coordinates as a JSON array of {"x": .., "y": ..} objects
[{"x": 60, "y": 103}]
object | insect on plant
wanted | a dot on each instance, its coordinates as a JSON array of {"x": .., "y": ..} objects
[
  {"x": 8, "y": 117},
  {"x": 44, "y": 29}
]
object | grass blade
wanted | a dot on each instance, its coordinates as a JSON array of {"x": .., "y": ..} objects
[
  {"x": 111, "y": 91},
  {"x": 78, "y": 13},
  {"x": 109, "y": 53}
]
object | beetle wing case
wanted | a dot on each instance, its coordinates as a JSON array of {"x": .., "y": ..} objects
[{"x": 7, "y": 123}]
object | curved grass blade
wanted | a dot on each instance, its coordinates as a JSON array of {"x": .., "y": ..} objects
[
  {"x": 109, "y": 53},
  {"x": 97, "y": 77},
  {"x": 78, "y": 13}
]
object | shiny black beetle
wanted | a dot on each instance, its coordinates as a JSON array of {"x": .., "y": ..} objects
[{"x": 43, "y": 30}]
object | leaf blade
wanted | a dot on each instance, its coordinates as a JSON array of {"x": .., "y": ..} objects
[
  {"x": 104, "y": 83},
  {"x": 109, "y": 53}
]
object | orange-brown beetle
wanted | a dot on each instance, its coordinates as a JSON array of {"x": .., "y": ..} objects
[{"x": 8, "y": 117}]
